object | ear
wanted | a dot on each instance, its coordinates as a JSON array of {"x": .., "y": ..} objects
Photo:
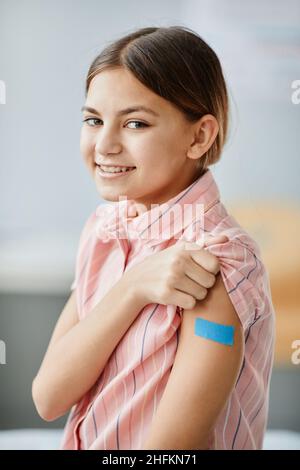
[{"x": 204, "y": 133}]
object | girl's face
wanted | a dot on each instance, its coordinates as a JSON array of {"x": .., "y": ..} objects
[{"x": 154, "y": 143}]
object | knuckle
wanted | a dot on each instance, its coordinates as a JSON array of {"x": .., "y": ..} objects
[
  {"x": 210, "y": 281},
  {"x": 202, "y": 293},
  {"x": 188, "y": 303},
  {"x": 214, "y": 265},
  {"x": 191, "y": 302},
  {"x": 171, "y": 281},
  {"x": 167, "y": 290},
  {"x": 177, "y": 264}
]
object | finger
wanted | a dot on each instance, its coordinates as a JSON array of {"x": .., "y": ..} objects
[
  {"x": 206, "y": 260},
  {"x": 199, "y": 275},
  {"x": 183, "y": 300},
  {"x": 189, "y": 286}
]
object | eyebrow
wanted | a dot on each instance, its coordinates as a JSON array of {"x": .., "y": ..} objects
[{"x": 131, "y": 109}]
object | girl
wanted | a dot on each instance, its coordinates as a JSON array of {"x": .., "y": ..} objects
[{"x": 162, "y": 344}]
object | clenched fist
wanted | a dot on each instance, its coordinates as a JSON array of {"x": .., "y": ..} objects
[{"x": 179, "y": 275}]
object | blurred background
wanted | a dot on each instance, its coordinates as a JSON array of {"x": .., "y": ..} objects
[{"x": 47, "y": 194}]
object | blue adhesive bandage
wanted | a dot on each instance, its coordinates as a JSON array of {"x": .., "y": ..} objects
[{"x": 220, "y": 333}]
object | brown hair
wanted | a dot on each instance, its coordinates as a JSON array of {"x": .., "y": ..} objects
[{"x": 178, "y": 65}]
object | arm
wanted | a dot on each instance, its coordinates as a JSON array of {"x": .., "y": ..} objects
[
  {"x": 79, "y": 350},
  {"x": 203, "y": 375}
]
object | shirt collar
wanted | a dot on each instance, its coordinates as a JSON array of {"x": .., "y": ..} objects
[{"x": 164, "y": 221}]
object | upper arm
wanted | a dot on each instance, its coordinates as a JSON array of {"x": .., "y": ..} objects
[{"x": 203, "y": 375}]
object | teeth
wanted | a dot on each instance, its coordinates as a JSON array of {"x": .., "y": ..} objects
[{"x": 113, "y": 169}]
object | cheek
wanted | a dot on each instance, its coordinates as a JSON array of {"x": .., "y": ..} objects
[
  {"x": 86, "y": 145},
  {"x": 150, "y": 149},
  {"x": 159, "y": 152},
  {"x": 168, "y": 139}
]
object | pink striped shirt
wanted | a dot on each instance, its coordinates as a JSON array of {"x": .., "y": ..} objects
[{"x": 117, "y": 411}]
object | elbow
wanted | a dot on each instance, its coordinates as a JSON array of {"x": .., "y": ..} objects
[{"x": 42, "y": 404}]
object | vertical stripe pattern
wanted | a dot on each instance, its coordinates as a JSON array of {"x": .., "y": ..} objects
[{"x": 117, "y": 411}]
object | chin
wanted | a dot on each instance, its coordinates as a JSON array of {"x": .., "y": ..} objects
[{"x": 108, "y": 194}]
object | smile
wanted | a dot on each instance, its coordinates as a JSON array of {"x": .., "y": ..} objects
[{"x": 113, "y": 172}]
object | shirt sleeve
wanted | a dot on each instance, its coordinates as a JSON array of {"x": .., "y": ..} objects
[
  {"x": 82, "y": 244},
  {"x": 244, "y": 277}
]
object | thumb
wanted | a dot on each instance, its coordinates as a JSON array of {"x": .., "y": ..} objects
[{"x": 215, "y": 240}]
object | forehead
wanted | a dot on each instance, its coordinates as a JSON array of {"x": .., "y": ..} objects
[{"x": 118, "y": 88}]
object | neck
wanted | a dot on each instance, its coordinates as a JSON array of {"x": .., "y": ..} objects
[{"x": 139, "y": 207}]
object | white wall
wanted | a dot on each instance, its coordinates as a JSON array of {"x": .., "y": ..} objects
[
  {"x": 45, "y": 50},
  {"x": 258, "y": 43},
  {"x": 46, "y": 193}
]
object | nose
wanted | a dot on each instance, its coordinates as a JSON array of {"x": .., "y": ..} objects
[{"x": 107, "y": 141}]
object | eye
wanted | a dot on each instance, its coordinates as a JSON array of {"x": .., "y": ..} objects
[
  {"x": 93, "y": 122},
  {"x": 143, "y": 124},
  {"x": 88, "y": 121}
]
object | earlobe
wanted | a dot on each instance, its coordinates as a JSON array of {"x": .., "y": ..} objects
[{"x": 195, "y": 151}]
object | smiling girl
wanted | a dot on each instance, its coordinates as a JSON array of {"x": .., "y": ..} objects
[{"x": 164, "y": 343}]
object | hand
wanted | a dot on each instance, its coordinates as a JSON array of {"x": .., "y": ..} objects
[{"x": 179, "y": 275}]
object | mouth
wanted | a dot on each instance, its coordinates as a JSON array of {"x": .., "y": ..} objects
[{"x": 113, "y": 172}]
